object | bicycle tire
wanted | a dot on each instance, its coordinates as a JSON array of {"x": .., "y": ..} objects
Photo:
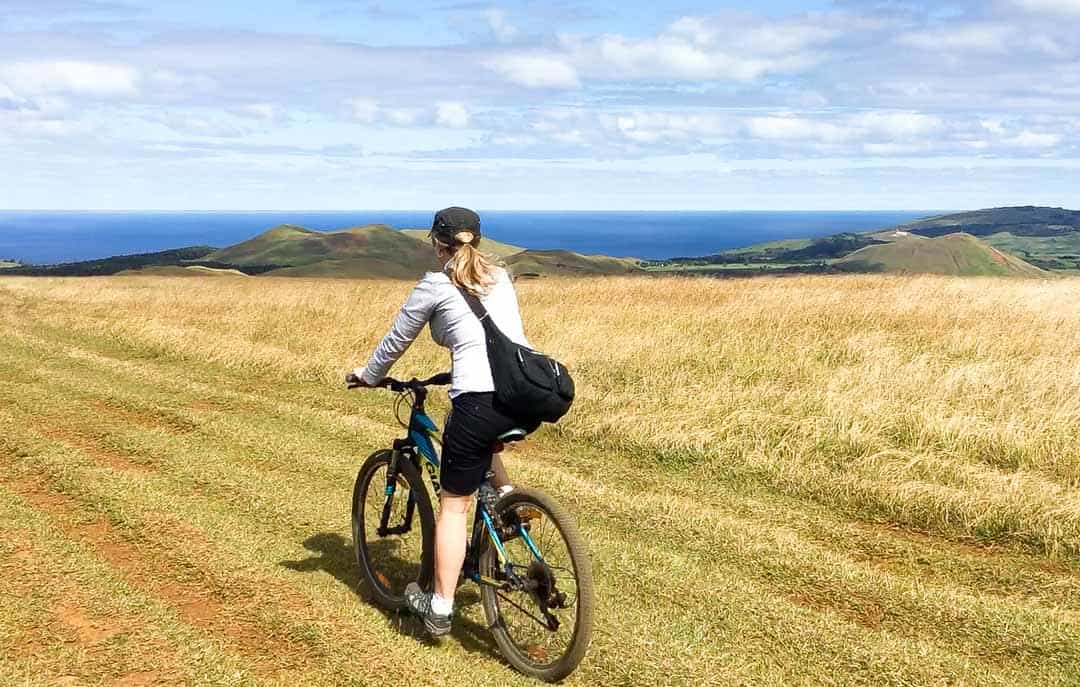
[
  {"x": 386, "y": 593},
  {"x": 579, "y": 558}
]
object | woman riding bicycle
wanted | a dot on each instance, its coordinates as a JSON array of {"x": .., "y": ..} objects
[{"x": 475, "y": 419}]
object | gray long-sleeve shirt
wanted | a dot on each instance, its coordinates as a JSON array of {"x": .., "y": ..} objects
[{"x": 437, "y": 301}]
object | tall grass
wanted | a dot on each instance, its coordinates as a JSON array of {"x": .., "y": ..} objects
[
  {"x": 943, "y": 404},
  {"x": 816, "y": 480}
]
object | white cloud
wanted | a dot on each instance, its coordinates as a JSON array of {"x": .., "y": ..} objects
[
  {"x": 574, "y": 137},
  {"x": 39, "y": 128},
  {"x": 512, "y": 140},
  {"x": 696, "y": 49},
  {"x": 363, "y": 110},
  {"x": 874, "y": 128},
  {"x": 983, "y": 37},
  {"x": 788, "y": 133},
  {"x": 501, "y": 28},
  {"x": 648, "y": 127},
  {"x": 446, "y": 114},
  {"x": 402, "y": 116},
  {"x": 200, "y": 125},
  {"x": 453, "y": 115},
  {"x": 896, "y": 125},
  {"x": 894, "y": 148},
  {"x": 535, "y": 70},
  {"x": 795, "y": 128},
  {"x": 176, "y": 85},
  {"x": 1032, "y": 139},
  {"x": 265, "y": 112},
  {"x": 1050, "y": 6},
  {"x": 695, "y": 28},
  {"x": 672, "y": 57},
  {"x": 848, "y": 83},
  {"x": 43, "y": 117},
  {"x": 75, "y": 77},
  {"x": 777, "y": 38}
]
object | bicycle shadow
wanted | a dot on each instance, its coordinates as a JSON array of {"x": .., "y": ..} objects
[{"x": 334, "y": 554}]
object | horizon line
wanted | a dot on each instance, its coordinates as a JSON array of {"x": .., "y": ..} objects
[{"x": 533, "y": 210}]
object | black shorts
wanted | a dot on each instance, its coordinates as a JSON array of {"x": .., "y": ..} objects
[{"x": 475, "y": 422}]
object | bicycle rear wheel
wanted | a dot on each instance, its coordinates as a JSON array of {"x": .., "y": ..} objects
[
  {"x": 405, "y": 554},
  {"x": 545, "y": 630}
]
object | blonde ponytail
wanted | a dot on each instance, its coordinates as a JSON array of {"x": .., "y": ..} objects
[{"x": 468, "y": 268}]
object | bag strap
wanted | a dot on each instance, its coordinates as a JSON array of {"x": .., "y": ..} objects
[
  {"x": 491, "y": 330},
  {"x": 474, "y": 304}
]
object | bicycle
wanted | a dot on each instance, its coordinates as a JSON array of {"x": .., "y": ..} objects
[{"x": 525, "y": 552}]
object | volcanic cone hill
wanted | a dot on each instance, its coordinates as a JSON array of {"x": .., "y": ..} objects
[
  {"x": 955, "y": 254},
  {"x": 374, "y": 250}
]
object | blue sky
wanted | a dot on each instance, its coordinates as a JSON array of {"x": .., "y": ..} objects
[{"x": 352, "y": 104}]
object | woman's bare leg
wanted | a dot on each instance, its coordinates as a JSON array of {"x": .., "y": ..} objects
[
  {"x": 500, "y": 476},
  {"x": 450, "y": 542},
  {"x": 450, "y": 532}
]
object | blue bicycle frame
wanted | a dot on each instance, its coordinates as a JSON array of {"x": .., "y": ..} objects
[{"x": 419, "y": 446}]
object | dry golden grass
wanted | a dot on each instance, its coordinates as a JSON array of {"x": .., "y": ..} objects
[{"x": 816, "y": 480}]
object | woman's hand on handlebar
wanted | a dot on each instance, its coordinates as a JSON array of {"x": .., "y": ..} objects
[{"x": 354, "y": 382}]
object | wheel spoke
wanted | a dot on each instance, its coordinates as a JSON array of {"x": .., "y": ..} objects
[
  {"x": 538, "y": 620},
  {"x": 521, "y": 616}
]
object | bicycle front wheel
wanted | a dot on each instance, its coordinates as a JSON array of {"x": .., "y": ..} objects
[
  {"x": 405, "y": 551},
  {"x": 542, "y": 627}
]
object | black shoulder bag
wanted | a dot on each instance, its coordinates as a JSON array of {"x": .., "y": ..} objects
[{"x": 530, "y": 385}]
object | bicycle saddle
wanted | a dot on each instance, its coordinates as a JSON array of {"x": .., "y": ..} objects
[{"x": 515, "y": 434}]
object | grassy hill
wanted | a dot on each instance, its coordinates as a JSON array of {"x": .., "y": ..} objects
[
  {"x": 787, "y": 251},
  {"x": 370, "y": 251},
  {"x": 487, "y": 244},
  {"x": 1048, "y": 238},
  {"x": 374, "y": 250},
  {"x": 956, "y": 254},
  {"x": 1020, "y": 221},
  {"x": 860, "y": 480},
  {"x": 552, "y": 262},
  {"x": 114, "y": 264},
  {"x": 1039, "y": 237},
  {"x": 768, "y": 248}
]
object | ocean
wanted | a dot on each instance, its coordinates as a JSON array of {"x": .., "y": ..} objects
[{"x": 48, "y": 237}]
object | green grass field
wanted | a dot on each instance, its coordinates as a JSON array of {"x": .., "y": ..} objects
[
  {"x": 1052, "y": 252},
  {"x": 860, "y": 480}
]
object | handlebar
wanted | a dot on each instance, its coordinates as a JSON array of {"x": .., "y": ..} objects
[{"x": 397, "y": 385}]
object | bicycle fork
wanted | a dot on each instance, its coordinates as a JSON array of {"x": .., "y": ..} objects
[{"x": 384, "y": 529}]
